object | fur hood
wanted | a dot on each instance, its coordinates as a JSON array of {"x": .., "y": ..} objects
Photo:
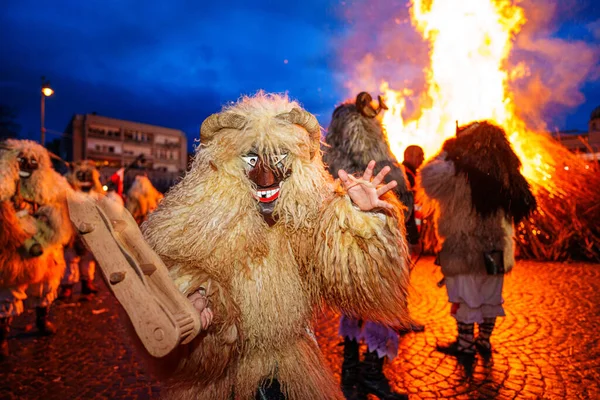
[
  {"x": 45, "y": 185},
  {"x": 476, "y": 190},
  {"x": 483, "y": 154},
  {"x": 10, "y": 173}
]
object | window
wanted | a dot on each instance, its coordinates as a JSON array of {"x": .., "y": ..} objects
[{"x": 111, "y": 149}]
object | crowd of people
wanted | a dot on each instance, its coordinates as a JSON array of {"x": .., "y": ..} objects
[
  {"x": 43, "y": 258},
  {"x": 268, "y": 224}
]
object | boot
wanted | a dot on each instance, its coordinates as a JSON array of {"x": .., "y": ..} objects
[
  {"x": 464, "y": 346},
  {"x": 88, "y": 287},
  {"x": 484, "y": 347},
  {"x": 351, "y": 370},
  {"x": 4, "y": 330},
  {"x": 374, "y": 381},
  {"x": 45, "y": 327},
  {"x": 65, "y": 292}
]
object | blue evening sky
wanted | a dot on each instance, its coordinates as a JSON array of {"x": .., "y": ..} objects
[{"x": 172, "y": 63}]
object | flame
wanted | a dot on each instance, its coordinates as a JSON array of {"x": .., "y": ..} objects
[{"x": 470, "y": 41}]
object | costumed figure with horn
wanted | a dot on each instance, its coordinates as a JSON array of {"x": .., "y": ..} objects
[
  {"x": 258, "y": 235},
  {"x": 355, "y": 136}
]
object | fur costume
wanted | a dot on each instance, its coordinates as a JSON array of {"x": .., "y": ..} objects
[
  {"x": 42, "y": 223},
  {"x": 264, "y": 277},
  {"x": 17, "y": 265},
  {"x": 84, "y": 178},
  {"x": 142, "y": 198},
  {"x": 355, "y": 137},
  {"x": 44, "y": 190},
  {"x": 478, "y": 192},
  {"x": 32, "y": 213}
]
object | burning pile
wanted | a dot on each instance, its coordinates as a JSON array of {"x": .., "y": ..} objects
[{"x": 467, "y": 80}]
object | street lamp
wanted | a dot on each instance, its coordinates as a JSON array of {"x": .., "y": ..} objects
[{"x": 46, "y": 92}]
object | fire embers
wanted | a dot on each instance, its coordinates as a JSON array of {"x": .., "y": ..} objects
[
  {"x": 26, "y": 166},
  {"x": 267, "y": 175}
]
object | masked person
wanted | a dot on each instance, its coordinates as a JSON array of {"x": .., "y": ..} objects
[
  {"x": 354, "y": 137},
  {"x": 258, "y": 235},
  {"x": 84, "y": 178},
  {"x": 478, "y": 193},
  {"x": 35, "y": 227}
]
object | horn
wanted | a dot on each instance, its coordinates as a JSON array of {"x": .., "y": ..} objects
[
  {"x": 382, "y": 105},
  {"x": 307, "y": 121},
  {"x": 216, "y": 122}
]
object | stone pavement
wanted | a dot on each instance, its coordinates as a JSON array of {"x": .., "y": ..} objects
[{"x": 547, "y": 346}]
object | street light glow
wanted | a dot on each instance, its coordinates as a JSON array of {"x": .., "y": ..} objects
[{"x": 47, "y": 91}]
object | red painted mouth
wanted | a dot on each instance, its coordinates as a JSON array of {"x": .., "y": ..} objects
[{"x": 267, "y": 195}]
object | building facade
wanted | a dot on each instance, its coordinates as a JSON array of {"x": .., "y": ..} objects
[
  {"x": 116, "y": 143},
  {"x": 586, "y": 144}
]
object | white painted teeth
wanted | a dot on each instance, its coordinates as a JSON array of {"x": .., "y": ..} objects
[
  {"x": 265, "y": 194},
  {"x": 24, "y": 174}
]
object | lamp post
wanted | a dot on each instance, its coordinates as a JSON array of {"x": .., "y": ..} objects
[{"x": 46, "y": 91}]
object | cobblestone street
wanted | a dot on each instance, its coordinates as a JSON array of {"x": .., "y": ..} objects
[{"x": 547, "y": 346}]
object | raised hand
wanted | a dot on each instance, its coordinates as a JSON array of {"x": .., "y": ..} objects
[{"x": 364, "y": 192}]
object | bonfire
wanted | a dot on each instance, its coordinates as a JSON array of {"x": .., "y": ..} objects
[{"x": 467, "y": 80}]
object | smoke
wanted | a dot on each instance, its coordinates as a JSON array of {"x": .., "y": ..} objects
[
  {"x": 547, "y": 72},
  {"x": 556, "y": 68},
  {"x": 381, "y": 45}
]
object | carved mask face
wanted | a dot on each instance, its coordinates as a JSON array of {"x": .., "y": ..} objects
[
  {"x": 267, "y": 176},
  {"x": 85, "y": 180},
  {"x": 27, "y": 166}
]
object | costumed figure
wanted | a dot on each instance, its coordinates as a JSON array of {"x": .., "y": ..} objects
[
  {"x": 84, "y": 178},
  {"x": 478, "y": 193},
  {"x": 142, "y": 198},
  {"x": 35, "y": 227},
  {"x": 355, "y": 136},
  {"x": 258, "y": 235}
]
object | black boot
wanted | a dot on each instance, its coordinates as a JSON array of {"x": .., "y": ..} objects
[
  {"x": 4, "y": 330},
  {"x": 351, "y": 371},
  {"x": 88, "y": 287},
  {"x": 65, "y": 292},
  {"x": 45, "y": 327},
  {"x": 374, "y": 381}
]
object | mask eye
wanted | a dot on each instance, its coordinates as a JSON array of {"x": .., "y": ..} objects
[
  {"x": 251, "y": 159},
  {"x": 33, "y": 161},
  {"x": 279, "y": 159}
]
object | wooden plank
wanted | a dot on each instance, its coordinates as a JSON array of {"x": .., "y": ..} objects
[{"x": 161, "y": 316}]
